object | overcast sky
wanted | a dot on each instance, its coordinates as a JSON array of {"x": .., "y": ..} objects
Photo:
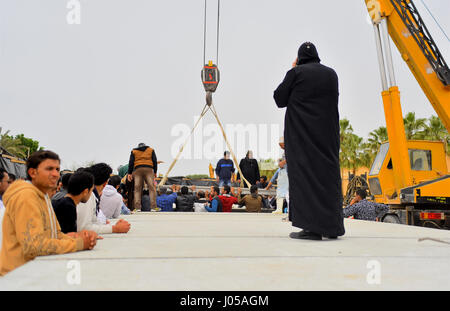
[{"x": 130, "y": 71}]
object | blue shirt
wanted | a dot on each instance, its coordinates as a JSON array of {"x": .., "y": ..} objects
[
  {"x": 165, "y": 202},
  {"x": 212, "y": 207}
]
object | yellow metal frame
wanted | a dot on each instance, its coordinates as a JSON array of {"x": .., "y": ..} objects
[
  {"x": 401, "y": 175},
  {"x": 434, "y": 89}
]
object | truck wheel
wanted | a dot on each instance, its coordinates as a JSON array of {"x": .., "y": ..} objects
[{"x": 392, "y": 219}]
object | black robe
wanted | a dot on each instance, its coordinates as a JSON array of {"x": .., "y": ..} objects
[
  {"x": 250, "y": 170},
  {"x": 311, "y": 135}
]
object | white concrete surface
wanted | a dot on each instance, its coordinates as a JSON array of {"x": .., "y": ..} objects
[{"x": 240, "y": 251}]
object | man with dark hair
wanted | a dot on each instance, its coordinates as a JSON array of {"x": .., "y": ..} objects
[
  {"x": 63, "y": 191},
  {"x": 262, "y": 183},
  {"x": 227, "y": 199},
  {"x": 111, "y": 201},
  {"x": 253, "y": 202},
  {"x": 200, "y": 202},
  {"x": 4, "y": 184},
  {"x": 215, "y": 204},
  {"x": 224, "y": 170},
  {"x": 185, "y": 201},
  {"x": 79, "y": 189},
  {"x": 12, "y": 178},
  {"x": 30, "y": 227},
  {"x": 362, "y": 209},
  {"x": 87, "y": 212},
  {"x": 142, "y": 167},
  {"x": 311, "y": 135},
  {"x": 101, "y": 172},
  {"x": 166, "y": 200}
]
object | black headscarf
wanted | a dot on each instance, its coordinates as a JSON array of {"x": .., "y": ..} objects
[{"x": 307, "y": 53}]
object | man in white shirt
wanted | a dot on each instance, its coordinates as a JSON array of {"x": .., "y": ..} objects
[
  {"x": 87, "y": 212},
  {"x": 111, "y": 201}
]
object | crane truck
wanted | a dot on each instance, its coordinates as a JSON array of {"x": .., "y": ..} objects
[{"x": 410, "y": 176}]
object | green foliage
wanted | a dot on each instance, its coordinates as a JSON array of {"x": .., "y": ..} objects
[
  {"x": 413, "y": 127},
  {"x": 353, "y": 150},
  {"x": 30, "y": 144},
  {"x": 197, "y": 176},
  {"x": 18, "y": 146},
  {"x": 11, "y": 145},
  {"x": 356, "y": 153},
  {"x": 267, "y": 167}
]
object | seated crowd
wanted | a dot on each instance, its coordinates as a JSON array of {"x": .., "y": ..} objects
[
  {"x": 37, "y": 220},
  {"x": 178, "y": 198},
  {"x": 52, "y": 214}
]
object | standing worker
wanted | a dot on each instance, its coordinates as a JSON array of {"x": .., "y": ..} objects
[
  {"x": 224, "y": 170},
  {"x": 143, "y": 167},
  {"x": 310, "y": 93}
]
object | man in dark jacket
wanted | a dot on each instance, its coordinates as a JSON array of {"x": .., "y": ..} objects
[
  {"x": 79, "y": 189},
  {"x": 143, "y": 166},
  {"x": 185, "y": 201},
  {"x": 224, "y": 170},
  {"x": 310, "y": 93},
  {"x": 249, "y": 168}
]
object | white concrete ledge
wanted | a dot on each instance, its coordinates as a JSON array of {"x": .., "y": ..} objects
[{"x": 240, "y": 251}]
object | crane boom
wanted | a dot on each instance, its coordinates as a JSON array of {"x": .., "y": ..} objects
[{"x": 418, "y": 49}]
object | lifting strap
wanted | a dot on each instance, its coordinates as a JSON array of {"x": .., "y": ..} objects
[
  {"x": 214, "y": 112},
  {"x": 210, "y": 79}
]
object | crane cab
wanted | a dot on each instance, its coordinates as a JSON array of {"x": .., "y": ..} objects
[{"x": 430, "y": 176}]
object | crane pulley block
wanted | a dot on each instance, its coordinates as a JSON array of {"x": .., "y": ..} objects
[{"x": 210, "y": 77}]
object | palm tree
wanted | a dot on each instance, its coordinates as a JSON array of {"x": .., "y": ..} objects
[
  {"x": 345, "y": 128},
  {"x": 435, "y": 130},
  {"x": 367, "y": 156},
  {"x": 414, "y": 127},
  {"x": 355, "y": 151},
  {"x": 376, "y": 138},
  {"x": 352, "y": 147},
  {"x": 11, "y": 145},
  {"x": 346, "y": 131}
]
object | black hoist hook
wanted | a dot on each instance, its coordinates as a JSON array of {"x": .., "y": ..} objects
[{"x": 210, "y": 80}]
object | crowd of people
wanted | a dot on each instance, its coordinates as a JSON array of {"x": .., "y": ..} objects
[
  {"x": 53, "y": 214},
  {"x": 49, "y": 214},
  {"x": 139, "y": 188},
  {"x": 178, "y": 198}
]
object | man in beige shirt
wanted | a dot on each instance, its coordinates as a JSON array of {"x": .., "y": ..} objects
[
  {"x": 253, "y": 202},
  {"x": 30, "y": 227}
]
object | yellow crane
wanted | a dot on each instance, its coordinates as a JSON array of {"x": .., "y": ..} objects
[{"x": 411, "y": 176}]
